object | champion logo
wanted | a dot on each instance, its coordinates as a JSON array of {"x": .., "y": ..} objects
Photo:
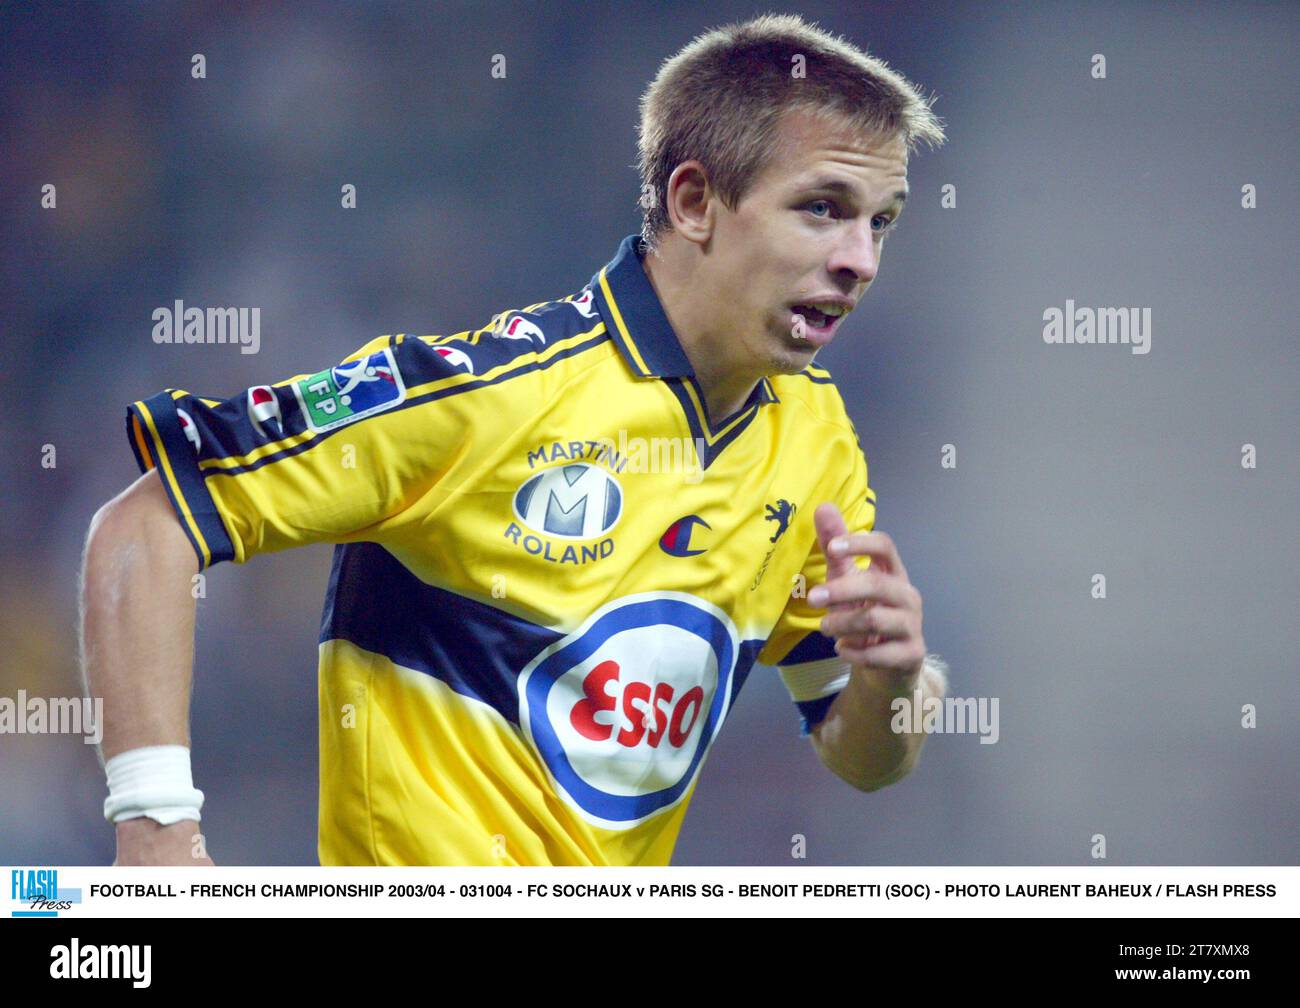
[
  {"x": 191, "y": 431},
  {"x": 457, "y": 358},
  {"x": 518, "y": 327},
  {"x": 685, "y": 537},
  {"x": 264, "y": 412},
  {"x": 585, "y": 303}
]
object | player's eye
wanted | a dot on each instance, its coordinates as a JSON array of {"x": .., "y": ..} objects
[
  {"x": 890, "y": 223},
  {"x": 821, "y": 203}
]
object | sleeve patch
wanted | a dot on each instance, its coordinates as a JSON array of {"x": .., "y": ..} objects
[{"x": 350, "y": 391}]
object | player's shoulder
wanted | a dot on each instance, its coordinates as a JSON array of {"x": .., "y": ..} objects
[
  {"x": 545, "y": 336},
  {"x": 814, "y": 390},
  {"x": 538, "y": 336}
]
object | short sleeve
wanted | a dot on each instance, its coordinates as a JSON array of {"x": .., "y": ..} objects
[
  {"x": 805, "y": 657},
  {"x": 320, "y": 457}
]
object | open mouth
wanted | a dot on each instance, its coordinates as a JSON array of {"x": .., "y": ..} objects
[{"x": 815, "y": 323}]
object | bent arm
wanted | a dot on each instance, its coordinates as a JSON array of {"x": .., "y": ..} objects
[{"x": 856, "y": 740}]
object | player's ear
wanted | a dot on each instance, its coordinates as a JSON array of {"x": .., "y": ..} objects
[{"x": 691, "y": 200}]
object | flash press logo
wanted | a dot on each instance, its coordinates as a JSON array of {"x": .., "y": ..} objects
[{"x": 38, "y": 889}]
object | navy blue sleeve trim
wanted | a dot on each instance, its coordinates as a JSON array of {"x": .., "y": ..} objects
[
  {"x": 814, "y": 712},
  {"x": 814, "y": 646},
  {"x": 189, "y": 483}
]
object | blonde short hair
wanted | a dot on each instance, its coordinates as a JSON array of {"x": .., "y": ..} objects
[{"x": 722, "y": 98}]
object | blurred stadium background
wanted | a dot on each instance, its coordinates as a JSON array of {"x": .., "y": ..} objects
[{"x": 1118, "y": 716}]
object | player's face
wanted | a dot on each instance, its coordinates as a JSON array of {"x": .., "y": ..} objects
[{"x": 809, "y": 231}]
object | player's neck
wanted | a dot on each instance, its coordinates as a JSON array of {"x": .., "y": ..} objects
[
  {"x": 725, "y": 391},
  {"x": 721, "y": 404}
]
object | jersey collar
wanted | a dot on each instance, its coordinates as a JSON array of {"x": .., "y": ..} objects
[{"x": 637, "y": 323}]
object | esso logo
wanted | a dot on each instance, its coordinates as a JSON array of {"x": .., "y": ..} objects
[
  {"x": 645, "y": 720},
  {"x": 623, "y": 710}
]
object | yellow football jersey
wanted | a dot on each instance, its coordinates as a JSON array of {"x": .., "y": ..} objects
[{"x": 552, "y": 575}]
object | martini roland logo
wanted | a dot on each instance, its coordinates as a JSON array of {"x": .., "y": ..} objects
[{"x": 629, "y": 454}]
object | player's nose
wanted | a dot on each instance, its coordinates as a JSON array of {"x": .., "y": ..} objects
[{"x": 856, "y": 253}]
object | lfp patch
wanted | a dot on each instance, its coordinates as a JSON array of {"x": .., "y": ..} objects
[
  {"x": 350, "y": 391},
  {"x": 623, "y": 710}
]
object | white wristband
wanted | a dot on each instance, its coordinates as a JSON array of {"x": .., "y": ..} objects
[{"x": 154, "y": 781}]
